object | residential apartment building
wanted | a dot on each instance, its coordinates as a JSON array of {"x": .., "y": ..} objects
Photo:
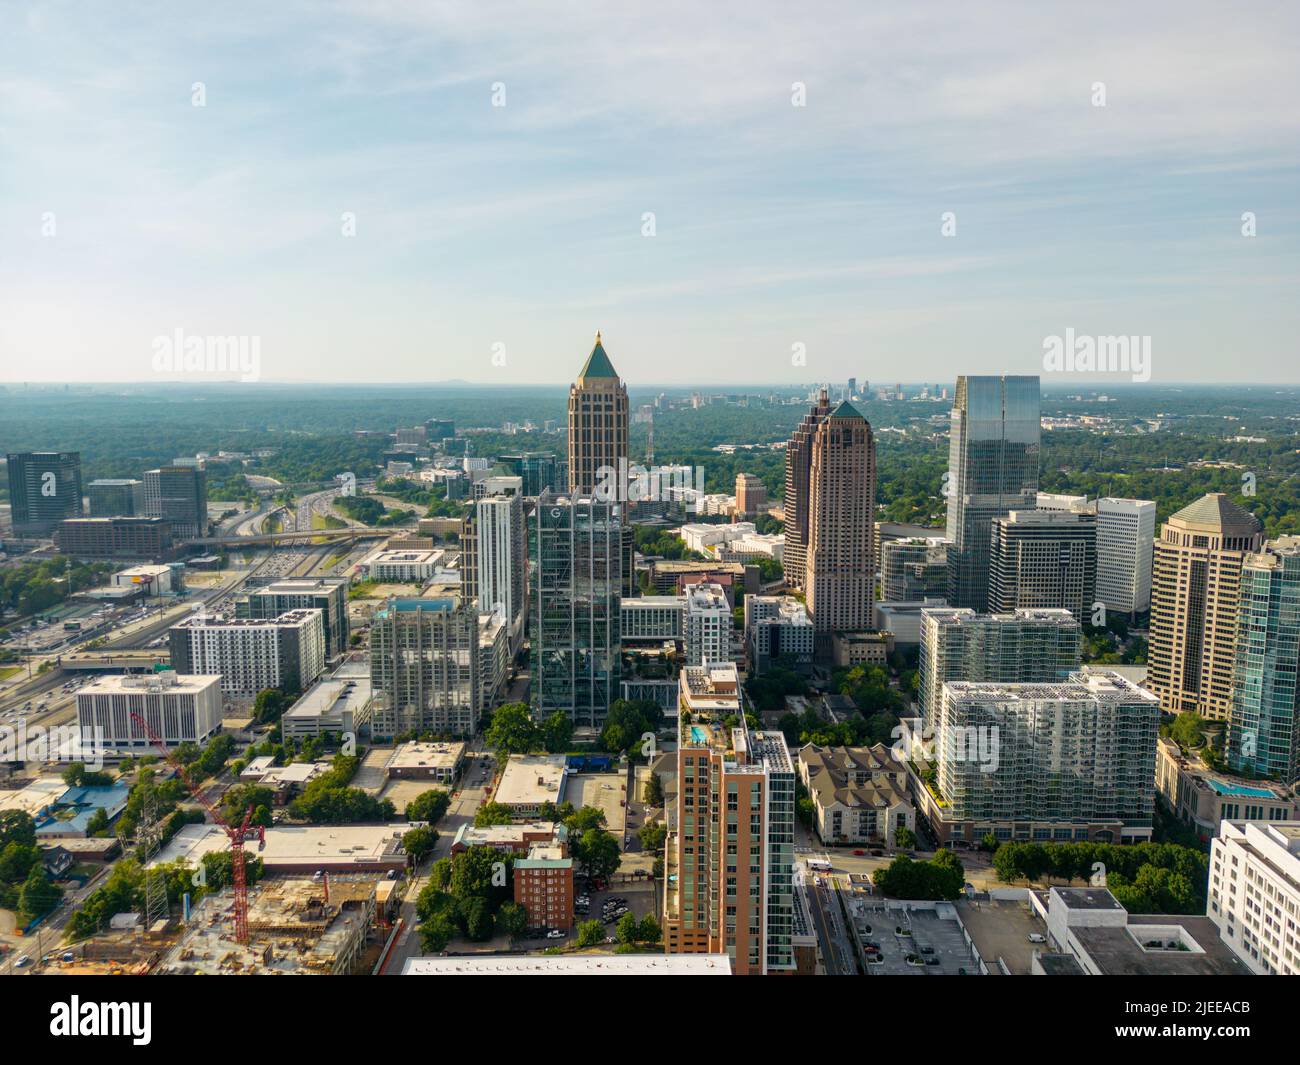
[
  {"x": 777, "y": 627},
  {"x": 251, "y": 655},
  {"x": 1043, "y": 558},
  {"x": 499, "y": 571},
  {"x": 1264, "y": 714},
  {"x": 424, "y": 667},
  {"x": 914, "y": 568},
  {"x": 178, "y": 708},
  {"x": 1254, "y": 894},
  {"x": 575, "y": 606},
  {"x": 44, "y": 489},
  {"x": 543, "y": 882},
  {"x": 1195, "y": 583},
  {"x": 1203, "y": 799},
  {"x": 329, "y": 595},
  {"x": 653, "y": 619},
  {"x": 859, "y": 794},
  {"x": 1042, "y": 762},
  {"x": 992, "y": 470},
  {"x": 708, "y": 626},
  {"x": 839, "y": 578},
  {"x": 729, "y": 856},
  {"x": 1021, "y": 647}
]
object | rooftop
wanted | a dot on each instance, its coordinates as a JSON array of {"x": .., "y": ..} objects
[
  {"x": 573, "y": 965},
  {"x": 532, "y": 779},
  {"x": 426, "y": 755}
]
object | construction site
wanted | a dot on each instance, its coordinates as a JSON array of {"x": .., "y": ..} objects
[{"x": 296, "y": 926}]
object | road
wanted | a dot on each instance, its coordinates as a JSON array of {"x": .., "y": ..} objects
[{"x": 465, "y": 802}]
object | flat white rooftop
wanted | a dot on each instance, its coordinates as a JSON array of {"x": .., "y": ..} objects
[
  {"x": 532, "y": 779},
  {"x": 327, "y": 845},
  {"x": 577, "y": 965}
]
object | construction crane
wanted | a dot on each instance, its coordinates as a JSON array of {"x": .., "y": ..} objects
[{"x": 237, "y": 836}]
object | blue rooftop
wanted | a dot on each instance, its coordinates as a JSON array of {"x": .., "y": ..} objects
[{"x": 70, "y": 814}]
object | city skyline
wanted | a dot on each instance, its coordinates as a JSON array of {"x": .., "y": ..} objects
[{"x": 497, "y": 175}]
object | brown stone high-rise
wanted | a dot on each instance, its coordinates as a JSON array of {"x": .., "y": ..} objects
[
  {"x": 598, "y": 443},
  {"x": 597, "y": 422},
  {"x": 798, "y": 465},
  {"x": 839, "y": 579},
  {"x": 1195, "y": 579}
]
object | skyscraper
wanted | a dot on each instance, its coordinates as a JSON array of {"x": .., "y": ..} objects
[
  {"x": 1264, "y": 718},
  {"x": 500, "y": 561},
  {"x": 598, "y": 421},
  {"x": 179, "y": 494},
  {"x": 1044, "y": 558},
  {"x": 1126, "y": 530},
  {"x": 992, "y": 470},
  {"x": 1195, "y": 582},
  {"x": 708, "y": 625},
  {"x": 44, "y": 489},
  {"x": 839, "y": 577},
  {"x": 424, "y": 667},
  {"x": 114, "y": 497},
  {"x": 1023, "y": 647},
  {"x": 575, "y": 607},
  {"x": 798, "y": 470},
  {"x": 914, "y": 568}
]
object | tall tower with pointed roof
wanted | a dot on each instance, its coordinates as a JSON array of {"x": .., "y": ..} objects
[
  {"x": 598, "y": 421},
  {"x": 839, "y": 579}
]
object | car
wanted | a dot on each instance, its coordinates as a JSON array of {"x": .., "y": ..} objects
[
  {"x": 555, "y": 933},
  {"x": 23, "y": 962},
  {"x": 927, "y": 950},
  {"x": 1037, "y": 937},
  {"x": 931, "y": 961}
]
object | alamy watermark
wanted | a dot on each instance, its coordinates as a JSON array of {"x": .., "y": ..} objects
[
  {"x": 626, "y": 483},
  {"x": 182, "y": 354},
  {"x": 1081, "y": 353}
]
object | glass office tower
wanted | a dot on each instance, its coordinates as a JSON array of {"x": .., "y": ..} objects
[
  {"x": 992, "y": 470},
  {"x": 575, "y": 607},
  {"x": 1262, "y": 734}
]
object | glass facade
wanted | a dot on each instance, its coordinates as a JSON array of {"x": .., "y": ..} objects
[
  {"x": 576, "y": 607},
  {"x": 992, "y": 470},
  {"x": 1262, "y": 737}
]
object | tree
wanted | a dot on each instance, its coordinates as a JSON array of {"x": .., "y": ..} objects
[
  {"x": 16, "y": 826},
  {"x": 270, "y": 705},
  {"x": 557, "y": 732},
  {"x": 512, "y": 730},
  {"x": 492, "y": 813},
  {"x": 627, "y": 721},
  {"x": 628, "y": 929},
  {"x": 904, "y": 837},
  {"x": 597, "y": 852},
  {"x": 419, "y": 843},
  {"x": 580, "y": 820},
  {"x": 591, "y": 933},
  {"x": 652, "y": 835},
  {"x": 654, "y": 790},
  {"x": 440, "y": 874},
  {"x": 650, "y": 932},
  {"x": 437, "y": 932},
  {"x": 512, "y": 920},
  {"x": 428, "y": 806},
  {"x": 39, "y": 895}
]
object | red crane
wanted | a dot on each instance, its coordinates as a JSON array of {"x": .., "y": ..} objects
[{"x": 237, "y": 836}]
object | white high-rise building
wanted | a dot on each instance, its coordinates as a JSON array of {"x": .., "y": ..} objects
[
  {"x": 179, "y": 709},
  {"x": 1254, "y": 893},
  {"x": 708, "y": 625},
  {"x": 501, "y": 561},
  {"x": 1126, "y": 531},
  {"x": 252, "y": 654}
]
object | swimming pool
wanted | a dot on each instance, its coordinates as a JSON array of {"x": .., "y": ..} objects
[
  {"x": 699, "y": 735},
  {"x": 1239, "y": 790}
]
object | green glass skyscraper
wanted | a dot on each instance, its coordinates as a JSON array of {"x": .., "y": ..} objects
[{"x": 1262, "y": 735}]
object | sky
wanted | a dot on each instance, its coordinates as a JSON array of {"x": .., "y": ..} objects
[{"x": 735, "y": 193}]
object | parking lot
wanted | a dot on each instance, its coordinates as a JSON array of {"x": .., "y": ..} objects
[
  {"x": 912, "y": 943},
  {"x": 606, "y": 792}
]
